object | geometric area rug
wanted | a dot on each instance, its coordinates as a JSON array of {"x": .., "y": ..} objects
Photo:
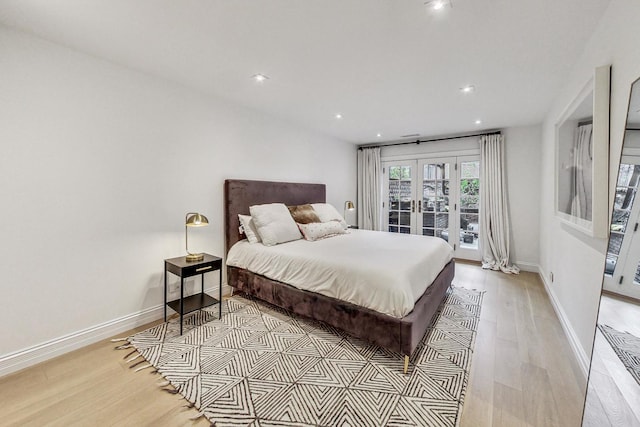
[
  {"x": 626, "y": 346},
  {"x": 263, "y": 366}
]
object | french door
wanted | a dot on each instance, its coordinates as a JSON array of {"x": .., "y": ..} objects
[
  {"x": 435, "y": 197},
  {"x": 622, "y": 269}
]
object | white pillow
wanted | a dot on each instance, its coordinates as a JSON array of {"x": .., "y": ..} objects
[
  {"x": 327, "y": 212},
  {"x": 274, "y": 223},
  {"x": 249, "y": 228},
  {"x": 320, "y": 230}
]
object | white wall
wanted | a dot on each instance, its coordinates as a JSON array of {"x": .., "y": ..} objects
[
  {"x": 577, "y": 261},
  {"x": 99, "y": 165},
  {"x": 522, "y": 165}
]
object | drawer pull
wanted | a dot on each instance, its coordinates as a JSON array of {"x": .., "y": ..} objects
[{"x": 203, "y": 268}]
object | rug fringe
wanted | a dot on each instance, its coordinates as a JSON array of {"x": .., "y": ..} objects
[
  {"x": 148, "y": 365},
  {"x": 129, "y": 354},
  {"x": 197, "y": 417},
  {"x": 123, "y": 347},
  {"x": 120, "y": 339},
  {"x": 170, "y": 390},
  {"x": 133, "y": 358},
  {"x": 137, "y": 363}
]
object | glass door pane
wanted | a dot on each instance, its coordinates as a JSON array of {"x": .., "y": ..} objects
[
  {"x": 435, "y": 202},
  {"x": 622, "y": 268},
  {"x": 628, "y": 283},
  {"x": 400, "y": 203},
  {"x": 469, "y": 204},
  {"x": 626, "y": 189}
]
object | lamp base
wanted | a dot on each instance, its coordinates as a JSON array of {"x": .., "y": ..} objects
[{"x": 194, "y": 257}]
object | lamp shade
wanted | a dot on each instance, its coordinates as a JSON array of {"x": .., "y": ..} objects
[
  {"x": 196, "y": 220},
  {"x": 348, "y": 206}
]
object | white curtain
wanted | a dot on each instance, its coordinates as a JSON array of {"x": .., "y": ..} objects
[
  {"x": 369, "y": 185},
  {"x": 581, "y": 191},
  {"x": 494, "y": 218}
]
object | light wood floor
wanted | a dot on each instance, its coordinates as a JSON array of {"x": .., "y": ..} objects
[
  {"x": 523, "y": 371},
  {"x": 613, "y": 395},
  {"x": 522, "y": 374}
]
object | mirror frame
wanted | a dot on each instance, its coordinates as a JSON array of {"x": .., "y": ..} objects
[{"x": 598, "y": 88}]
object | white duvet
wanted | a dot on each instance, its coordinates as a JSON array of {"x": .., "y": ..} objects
[{"x": 386, "y": 272}]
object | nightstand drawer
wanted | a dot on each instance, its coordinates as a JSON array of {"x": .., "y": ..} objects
[{"x": 201, "y": 268}]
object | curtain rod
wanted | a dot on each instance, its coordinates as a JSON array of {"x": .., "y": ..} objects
[{"x": 432, "y": 140}]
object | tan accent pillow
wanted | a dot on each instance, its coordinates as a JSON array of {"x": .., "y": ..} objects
[{"x": 303, "y": 214}]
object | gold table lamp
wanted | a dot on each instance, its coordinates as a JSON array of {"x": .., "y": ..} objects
[
  {"x": 348, "y": 206},
  {"x": 193, "y": 219}
]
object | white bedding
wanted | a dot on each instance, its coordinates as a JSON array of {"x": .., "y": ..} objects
[{"x": 386, "y": 272}]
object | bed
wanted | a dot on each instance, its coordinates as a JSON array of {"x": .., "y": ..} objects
[{"x": 398, "y": 334}]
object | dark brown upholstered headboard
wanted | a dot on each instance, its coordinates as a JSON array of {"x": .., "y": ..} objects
[{"x": 240, "y": 194}]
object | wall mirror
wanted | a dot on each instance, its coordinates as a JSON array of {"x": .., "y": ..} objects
[
  {"x": 582, "y": 158},
  {"x": 613, "y": 392}
]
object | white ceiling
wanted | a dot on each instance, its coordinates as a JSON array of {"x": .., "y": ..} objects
[{"x": 388, "y": 66}]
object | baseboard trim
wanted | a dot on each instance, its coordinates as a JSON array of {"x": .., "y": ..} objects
[
  {"x": 528, "y": 266},
  {"x": 578, "y": 351},
  {"x": 30, "y": 356}
]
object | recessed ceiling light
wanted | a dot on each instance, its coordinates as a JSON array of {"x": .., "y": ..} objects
[
  {"x": 259, "y": 78},
  {"x": 338, "y": 116},
  {"x": 437, "y": 4},
  {"x": 478, "y": 122},
  {"x": 379, "y": 135},
  {"x": 468, "y": 89}
]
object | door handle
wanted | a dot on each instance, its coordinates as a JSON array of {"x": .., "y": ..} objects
[
  {"x": 413, "y": 206},
  {"x": 420, "y": 207}
]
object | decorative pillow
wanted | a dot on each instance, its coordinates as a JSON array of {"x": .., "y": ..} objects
[
  {"x": 327, "y": 212},
  {"x": 320, "y": 230},
  {"x": 249, "y": 228},
  {"x": 274, "y": 223},
  {"x": 303, "y": 214}
]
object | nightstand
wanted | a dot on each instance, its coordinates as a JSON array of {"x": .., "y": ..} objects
[{"x": 183, "y": 269}]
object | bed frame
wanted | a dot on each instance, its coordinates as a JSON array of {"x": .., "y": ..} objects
[{"x": 401, "y": 335}]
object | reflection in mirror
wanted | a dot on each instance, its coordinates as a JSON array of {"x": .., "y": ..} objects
[
  {"x": 582, "y": 158},
  {"x": 613, "y": 394},
  {"x": 575, "y": 157}
]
